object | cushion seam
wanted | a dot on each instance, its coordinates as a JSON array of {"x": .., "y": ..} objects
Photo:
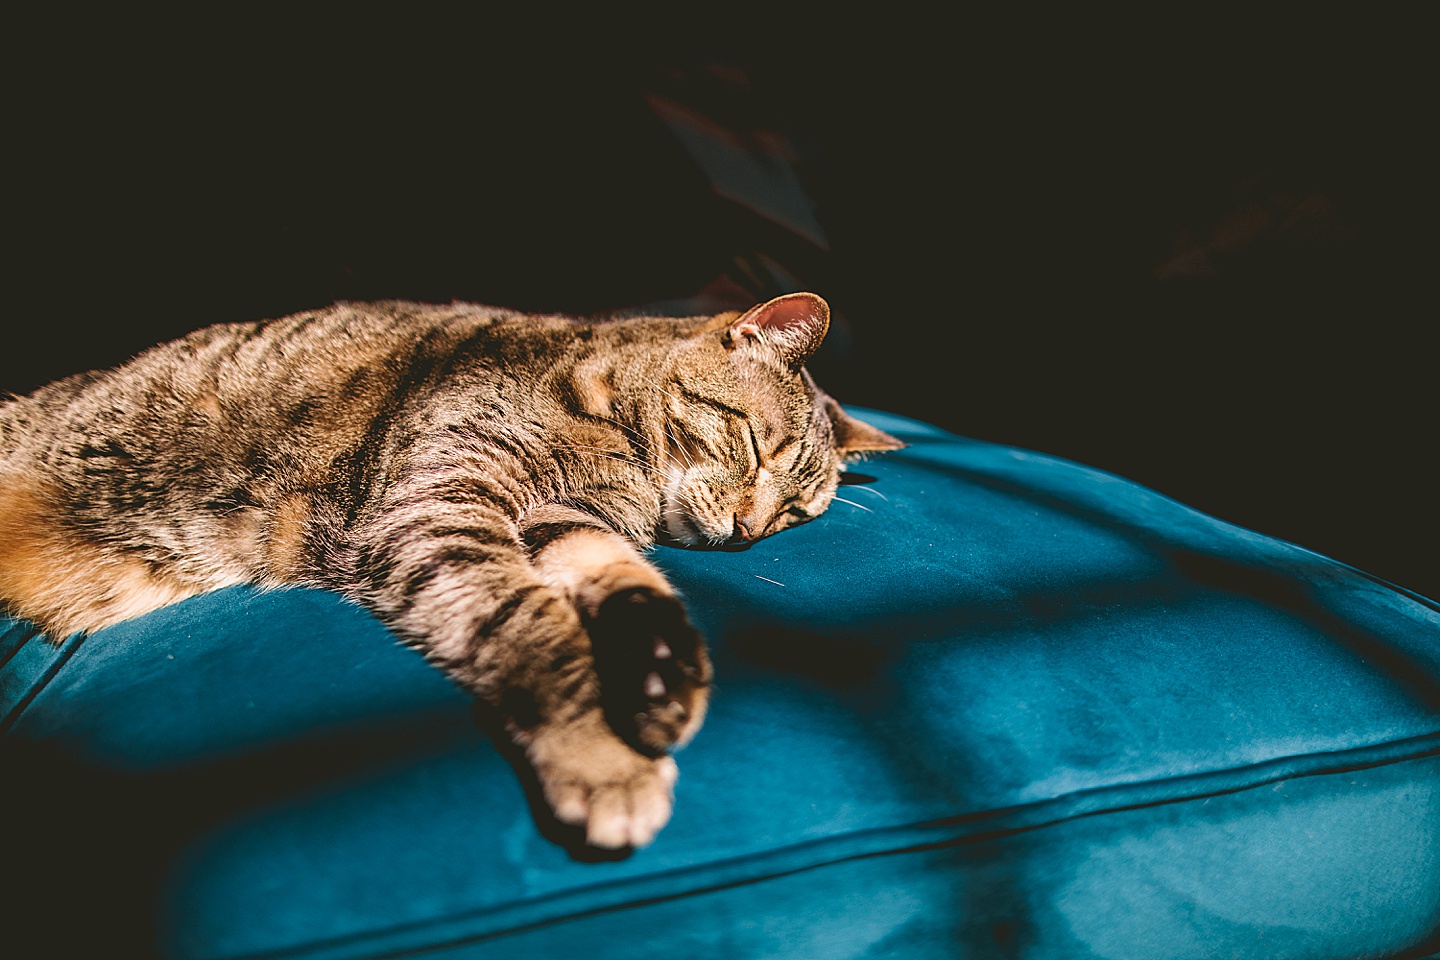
[
  {"x": 490, "y": 923},
  {"x": 28, "y": 635},
  {"x": 62, "y": 655}
]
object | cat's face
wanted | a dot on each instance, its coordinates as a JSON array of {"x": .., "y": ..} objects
[
  {"x": 740, "y": 467},
  {"x": 753, "y": 447}
]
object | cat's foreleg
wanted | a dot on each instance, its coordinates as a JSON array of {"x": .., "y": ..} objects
[
  {"x": 653, "y": 667},
  {"x": 449, "y": 579}
]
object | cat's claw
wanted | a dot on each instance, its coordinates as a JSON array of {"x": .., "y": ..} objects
[{"x": 654, "y": 671}]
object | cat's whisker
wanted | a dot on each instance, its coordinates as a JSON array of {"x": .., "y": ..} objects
[
  {"x": 857, "y": 506},
  {"x": 601, "y": 452},
  {"x": 877, "y": 493},
  {"x": 635, "y": 435},
  {"x": 659, "y": 388},
  {"x": 671, "y": 470},
  {"x": 608, "y": 454},
  {"x": 689, "y": 458},
  {"x": 630, "y": 431},
  {"x": 640, "y": 440},
  {"x": 671, "y": 460},
  {"x": 596, "y": 451},
  {"x": 649, "y": 471},
  {"x": 674, "y": 442}
]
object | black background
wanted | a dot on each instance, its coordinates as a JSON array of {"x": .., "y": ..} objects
[{"x": 1001, "y": 199}]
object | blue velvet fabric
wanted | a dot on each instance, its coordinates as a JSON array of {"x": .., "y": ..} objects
[{"x": 999, "y": 704}]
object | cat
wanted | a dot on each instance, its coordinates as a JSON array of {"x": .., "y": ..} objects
[{"x": 485, "y": 482}]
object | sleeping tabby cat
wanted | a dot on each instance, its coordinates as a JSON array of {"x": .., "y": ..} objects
[{"x": 484, "y": 482}]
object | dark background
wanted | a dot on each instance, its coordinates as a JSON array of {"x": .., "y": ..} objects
[{"x": 1198, "y": 253}]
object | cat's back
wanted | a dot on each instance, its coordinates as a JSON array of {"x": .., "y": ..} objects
[
  {"x": 312, "y": 385},
  {"x": 231, "y": 374}
]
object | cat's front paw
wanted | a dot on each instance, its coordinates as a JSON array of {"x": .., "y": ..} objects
[
  {"x": 654, "y": 671},
  {"x": 593, "y": 781}
]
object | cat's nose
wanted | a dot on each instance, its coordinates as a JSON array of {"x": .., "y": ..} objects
[{"x": 744, "y": 529}]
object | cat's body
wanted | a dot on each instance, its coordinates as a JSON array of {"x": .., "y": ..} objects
[{"x": 483, "y": 481}]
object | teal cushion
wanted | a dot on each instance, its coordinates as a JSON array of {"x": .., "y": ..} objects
[{"x": 997, "y": 704}]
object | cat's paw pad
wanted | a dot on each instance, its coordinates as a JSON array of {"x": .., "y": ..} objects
[
  {"x": 654, "y": 671},
  {"x": 620, "y": 807}
]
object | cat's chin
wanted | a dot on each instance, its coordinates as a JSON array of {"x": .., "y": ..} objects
[
  {"x": 680, "y": 530},
  {"x": 697, "y": 542}
]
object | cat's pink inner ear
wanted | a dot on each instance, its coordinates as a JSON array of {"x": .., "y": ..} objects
[{"x": 794, "y": 324}]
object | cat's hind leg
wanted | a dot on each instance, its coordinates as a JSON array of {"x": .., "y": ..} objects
[
  {"x": 654, "y": 670},
  {"x": 64, "y": 581}
]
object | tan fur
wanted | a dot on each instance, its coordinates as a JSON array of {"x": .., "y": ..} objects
[
  {"x": 41, "y": 562},
  {"x": 208, "y": 404},
  {"x": 285, "y": 545},
  {"x": 590, "y": 565},
  {"x": 590, "y": 778},
  {"x": 595, "y": 387}
]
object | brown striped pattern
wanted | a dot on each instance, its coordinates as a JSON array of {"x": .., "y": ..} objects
[{"x": 486, "y": 483}]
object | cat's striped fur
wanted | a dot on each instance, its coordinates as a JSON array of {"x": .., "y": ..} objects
[{"x": 484, "y": 482}]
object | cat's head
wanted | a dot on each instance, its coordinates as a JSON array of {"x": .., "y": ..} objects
[{"x": 753, "y": 446}]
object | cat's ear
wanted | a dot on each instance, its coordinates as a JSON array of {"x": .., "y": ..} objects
[
  {"x": 793, "y": 325},
  {"x": 855, "y": 437}
]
